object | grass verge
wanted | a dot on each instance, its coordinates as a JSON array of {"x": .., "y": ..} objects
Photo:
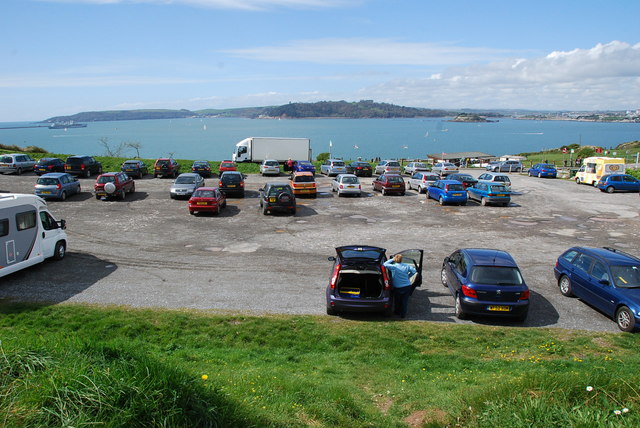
[{"x": 76, "y": 365}]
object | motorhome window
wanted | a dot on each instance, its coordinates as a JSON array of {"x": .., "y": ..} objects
[
  {"x": 4, "y": 227},
  {"x": 48, "y": 223},
  {"x": 26, "y": 220}
]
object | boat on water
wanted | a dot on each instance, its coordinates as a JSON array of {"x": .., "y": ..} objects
[{"x": 65, "y": 125}]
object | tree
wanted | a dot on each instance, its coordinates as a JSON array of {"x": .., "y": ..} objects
[
  {"x": 135, "y": 145},
  {"x": 322, "y": 157},
  {"x": 114, "y": 152}
]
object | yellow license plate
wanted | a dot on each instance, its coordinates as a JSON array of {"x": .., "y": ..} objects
[
  {"x": 501, "y": 195},
  {"x": 201, "y": 203},
  {"x": 232, "y": 185},
  {"x": 350, "y": 187},
  {"x": 457, "y": 194},
  {"x": 46, "y": 193},
  {"x": 396, "y": 185},
  {"x": 499, "y": 308},
  {"x": 272, "y": 199}
]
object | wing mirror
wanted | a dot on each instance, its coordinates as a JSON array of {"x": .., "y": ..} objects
[
  {"x": 446, "y": 259},
  {"x": 62, "y": 224},
  {"x": 331, "y": 259}
]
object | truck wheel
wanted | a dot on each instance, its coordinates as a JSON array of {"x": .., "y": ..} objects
[{"x": 60, "y": 250}]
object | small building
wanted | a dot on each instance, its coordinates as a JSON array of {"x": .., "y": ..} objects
[
  {"x": 513, "y": 157},
  {"x": 461, "y": 158}
]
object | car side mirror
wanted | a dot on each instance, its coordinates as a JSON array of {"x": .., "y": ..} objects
[
  {"x": 446, "y": 259},
  {"x": 604, "y": 282},
  {"x": 62, "y": 224},
  {"x": 331, "y": 259}
]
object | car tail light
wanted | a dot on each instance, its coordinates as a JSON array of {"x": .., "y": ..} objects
[
  {"x": 58, "y": 186},
  {"x": 220, "y": 184},
  {"x": 334, "y": 277},
  {"x": 525, "y": 295},
  {"x": 50, "y": 167},
  {"x": 82, "y": 166},
  {"x": 242, "y": 184},
  {"x": 469, "y": 292},
  {"x": 341, "y": 186},
  {"x": 385, "y": 278}
]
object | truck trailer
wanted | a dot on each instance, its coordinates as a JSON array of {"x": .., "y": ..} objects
[
  {"x": 258, "y": 149},
  {"x": 29, "y": 234}
]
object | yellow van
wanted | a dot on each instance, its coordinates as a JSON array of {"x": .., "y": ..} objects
[{"x": 595, "y": 167}]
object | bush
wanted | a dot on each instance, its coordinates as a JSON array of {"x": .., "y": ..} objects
[{"x": 322, "y": 157}]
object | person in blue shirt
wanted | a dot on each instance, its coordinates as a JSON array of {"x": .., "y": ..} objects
[{"x": 400, "y": 279}]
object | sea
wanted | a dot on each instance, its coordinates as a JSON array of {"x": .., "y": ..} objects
[{"x": 215, "y": 138}]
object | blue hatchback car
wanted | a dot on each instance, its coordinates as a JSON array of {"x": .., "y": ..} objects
[
  {"x": 306, "y": 166},
  {"x": 605, "y": 278},
  {"x": 618, "y": 183},
  {"x": 488, "y": 193},
  {"x": 447, "y": 192},
  {"x": 57, "y": 185},
  {"x": 543, "y": 170},
  {"x": 485, "y": 282}
]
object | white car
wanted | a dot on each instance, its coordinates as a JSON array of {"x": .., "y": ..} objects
[
  {"x": 388, "y": 167},
  {"x": 413, "y": 167},
  {"x": 444, "y": 168},
  {"x": 422, "y": 180},
  {"x": 346, "y": 184},
  {"x": 333, "y": 167},
  {"x": 496, "y": 178},
  {"x": 270, "y": 167}
]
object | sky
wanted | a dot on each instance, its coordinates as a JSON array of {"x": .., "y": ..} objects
[{"x": 60, "y": 57}]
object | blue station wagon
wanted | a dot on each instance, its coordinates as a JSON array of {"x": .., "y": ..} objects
[
  {"x": 605, "y": 278},
  {"x": 488, "y": 193},
  {"x": 447, "y": 192},
  {"x": 57, "y": 185},
  {"x": 485, "y": 282}
]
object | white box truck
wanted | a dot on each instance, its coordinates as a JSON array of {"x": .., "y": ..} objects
[
  {"x": 29, "y": 234},
  {"x": 258, "y": 149}
]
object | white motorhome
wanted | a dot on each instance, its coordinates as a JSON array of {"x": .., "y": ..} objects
[
  {"x": 29, "y": 234},
  {"x": 258, "y": 149}
]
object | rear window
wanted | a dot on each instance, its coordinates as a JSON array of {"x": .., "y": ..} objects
[
  {"x": 203, "y": 194},
  {"x": 349, "y": 180},
  {"x": 231, "y": 178},
  {"x": 304, "y": 163},
  {"x": 163, "y": 163},
  {"x": 394, "y": 179},
  {"x": 547, "y": 166},
  {"x": 276, "y": 190},
  {"x": 393, "y": 163},
  {"x": 502, "y": 178},
  {"x": 496, "y": 275},
  {"x": 304, "y": 179},
  {"x": 47, "y": 181},
  {"x": 498, "y": 188},
  {"x": 226, "y": 164},
  {"x": 106, "y": 179},
  {"x": 340, "y": 163},
  {"x": 455, "y": 187},
  {"x": 74, "y": 161},
  {"x": 131, "y": 164},
  {"x": 448, "y": 165},
  {"x": 364, "y": 254},
  {"x": 6, "y": 159},
  {"x": 272, "y": 163},
  {"x": 431, "y": 177}
]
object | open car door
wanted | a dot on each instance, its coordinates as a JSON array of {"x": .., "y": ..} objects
[{"x": 414, "y": 257}]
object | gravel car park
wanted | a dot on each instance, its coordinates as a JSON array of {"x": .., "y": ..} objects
[{"x": 163, "y": 257}]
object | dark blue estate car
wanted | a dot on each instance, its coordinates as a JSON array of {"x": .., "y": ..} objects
[
  {"x": 447, "y": 192},
  {"x": 618, "y": 183},
  {"x": 605, "y": 278},
  {"x": 300, "y": 166},
  {"x": 485, "y": 282},
  {"x": 359, "y": 281},
  {"x": 543, "y": 170}
]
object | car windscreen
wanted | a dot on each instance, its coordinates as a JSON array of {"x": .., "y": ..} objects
[
  {"x": 496, "y": 275},
  {"x": 47, "y": 181},
  {"x": 394, "y": 179},
  {"x": 106, "y": 179},
  {"x": 203, "y": 194},
  {"x": 626, "y": 276},
  {"x": 349, "y": 180},
  {"x": 185, "y": 180},
  {"x": 455, "y": 187},
  {"x": 498, "y": 188},
  {"x": 304, "y": 179}
]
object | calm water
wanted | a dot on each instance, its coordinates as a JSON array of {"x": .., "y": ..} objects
[{"x": 214, "y": 139}]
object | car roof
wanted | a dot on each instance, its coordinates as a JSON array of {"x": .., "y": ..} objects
[
  {"x": 610, "y": 255},
  {"x": 54, "y": 174},
  {"x": 230, "y": 173},
  {"x": 348, "y": 175},
  {"x": 207, "y": 188},
  {"x": 189, "y": 174},
  {"x": 200, "y": 161},
  {"x": 450, "y": 181},
  {"x": 303, "y": 173},
  {"x": 110, "y": 173},
  {"x": 489, "y": 257},
  {"x": 276, "y": 183}
]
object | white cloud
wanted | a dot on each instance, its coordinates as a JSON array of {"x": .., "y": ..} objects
[
  {"x": 254, "y": 5},
  {"x": 606, "y": 76},
  {"x": 369, "y": 51}
]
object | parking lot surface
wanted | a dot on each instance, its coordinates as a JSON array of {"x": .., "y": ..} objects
[{"x": 147, "y": 251}]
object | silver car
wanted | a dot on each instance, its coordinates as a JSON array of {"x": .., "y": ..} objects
[
  {"x": 346, "y": 184},
  {"x": 496, "y": 178},
  {"x": 420, "y": 181},
  {"x": 185, "y": 185},
  {"x": 16, "y": 162},
  {"x": 270, "y": 167},
  {"x": 413, "y": 167},
  {"x": 388, "y": 167},
  {"x": 444, "y": 168},
  {"x": 333, "y": 167}
]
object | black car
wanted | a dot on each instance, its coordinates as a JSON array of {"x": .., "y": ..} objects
[
  {"x": 360, "y": 283},
  {"x": 82, "y": 165},
  {"x": 232, "y": 183},
  {"x": 46, "y": 165},
  {"x": 277, "y": 197},
  {"x": 360, "y": 169},
  {"x": 134, "y": 168},
  {"x": 466, "y": 179},
  {"x": 201, "y": 167}
]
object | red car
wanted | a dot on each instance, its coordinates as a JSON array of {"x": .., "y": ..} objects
[
  {"x": 227, "y": 165},
  {"x": 389, "y": 183},
  {"x": 207, "y": 199},
  {"x": 113, "y": 185}
]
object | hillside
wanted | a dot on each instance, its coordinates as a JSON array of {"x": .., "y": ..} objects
[{"x": 322, "y": 109}]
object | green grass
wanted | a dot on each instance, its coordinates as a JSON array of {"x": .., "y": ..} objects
[{"x": 76, "y": 365}]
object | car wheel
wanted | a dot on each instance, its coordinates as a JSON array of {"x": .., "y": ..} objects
[
  {"x": 517, "y": 169},
  {"x": 59, "y": 251},
  {"x": 97, "y": 196},
  {"x": 133, "y": 188},
  {"x": 483, "y": 202},
  {"x": 458, "y": 308},
  {"x": 443, "y": 277},
  {"x": 610, "y": 189},
  {"x": 441, "y": 200},
  {"x": 577, "y": 180},
  {"x": 539, "y": 175},
  {"x": 192, "y": 212},
  {"x": 19, "y": 171},
  {"x": 625, "y": 319},
  {"x": 409, "y": 185},
  {"x": 265, "y": 210},
  {"x": 530, "y": 175},
  {"x": 122, "y": 194},
  {"x": 565, "y": 286},
  {"x": 63, "y": 195},
  {"x": 383, "y": 191}
]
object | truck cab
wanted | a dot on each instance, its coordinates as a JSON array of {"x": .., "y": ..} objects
[
  {"x": 594, "y": 168},
  {"x": 242, "y": 152}
]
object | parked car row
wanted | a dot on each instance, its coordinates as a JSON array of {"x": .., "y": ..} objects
[{"x": 489, "y": 282}]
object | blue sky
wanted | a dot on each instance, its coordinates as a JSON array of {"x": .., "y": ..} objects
[{"x": 62, "y": 57}]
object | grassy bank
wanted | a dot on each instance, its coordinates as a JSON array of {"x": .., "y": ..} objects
[{"x": 73, "y": 365}]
